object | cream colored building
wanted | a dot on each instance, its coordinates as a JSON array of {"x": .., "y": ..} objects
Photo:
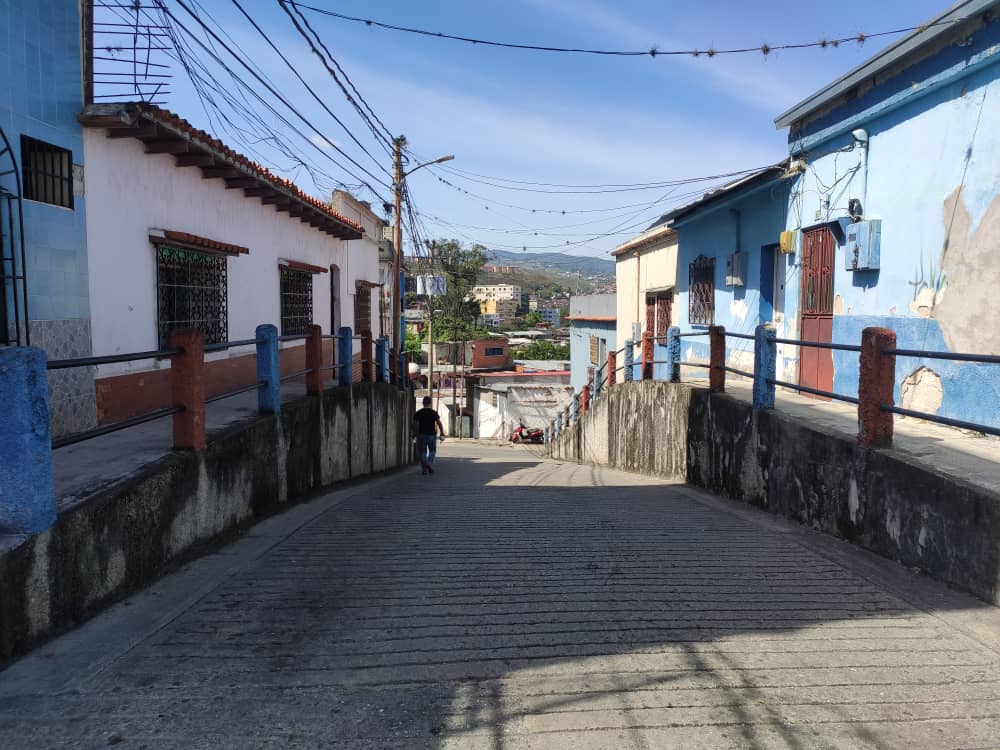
[
  {"x": 505, "y": 309},
  {"x": 646, "y": 282},
  {"x": 497, "y": 291}
]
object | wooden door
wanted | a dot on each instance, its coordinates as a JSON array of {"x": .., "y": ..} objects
[{"x": 818, "y": 257}]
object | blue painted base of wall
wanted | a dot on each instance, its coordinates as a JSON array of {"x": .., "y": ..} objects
[{"x": 970, "y": 391}]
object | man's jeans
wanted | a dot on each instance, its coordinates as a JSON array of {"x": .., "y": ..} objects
[{"x": 427, "y": 444}]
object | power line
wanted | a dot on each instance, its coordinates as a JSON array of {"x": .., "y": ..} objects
[
  {"x": 162, "y": 6},
  {"x": 764, "y": 49},
  {"x": 308, "y": 88}
]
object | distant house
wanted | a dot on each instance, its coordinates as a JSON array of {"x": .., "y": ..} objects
[
  {"x": 550, "y": 316},
  {"x": 491, "y": 354},
  {"x": 895, "y": 212},
  {"x": 184, "y": 233},
  {"x": 592, "y": 334},
  {"x": 646, "y": 281},
  {"x": 731, "y": 271}
]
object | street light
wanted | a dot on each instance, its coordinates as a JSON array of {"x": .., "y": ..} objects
[{"x": 397, "y": 184}]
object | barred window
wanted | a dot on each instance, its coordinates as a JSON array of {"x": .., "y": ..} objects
[
  {"x": 494, "y": 351},
  {"x": 191, "y": 293},
  {"x": 48, "y": 172},
  {"x": 296, "y": 301},
  {"x": 363, "y": 308},
  {"x": 701, "y": 291}
]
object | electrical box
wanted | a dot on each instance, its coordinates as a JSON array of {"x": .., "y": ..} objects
[
  {"x": 734, "y": 270},
  {"x": 862, "y": 242},
  {"x": 786, "y": 241}
]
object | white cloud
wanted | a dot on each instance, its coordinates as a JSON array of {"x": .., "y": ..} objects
[{"x": 323, "y": 142}]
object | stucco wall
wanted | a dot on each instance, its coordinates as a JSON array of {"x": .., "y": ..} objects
[
  {"x": 887, "y": 501},
  {"x": 142, "y": 191},
  {"x": 656, "y": 268},
  {"x": 580, "y": 332},
  {"x": 128, "y": 535},
  {"x": 931, "y": 178},
  {"x": 712, "y": 232}
]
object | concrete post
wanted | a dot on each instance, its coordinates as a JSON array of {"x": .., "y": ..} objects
[
  {"x": 314, "y": 360},
  {"x": 345, "y": 355},
  {"x": 674, "y": 353},
  {"x": 382, "y": 359},
  {"x": 875, "y": 387},
  {"x": 765, "y": 366},
  {"x": 367, "y": 359},
  {"x": 559, "y": 423},
  {"x": 27, "y": 490},
  {"x": 647, "y": 355},
  {"x": 717, "y": 359},
  {"x": 612, "y": 368},
  {"x": 629, "y": 360},
  {"x": 268, "y": 370},
  {"x": 584, "y": 399},
  {"x": 187, "y": 388}
]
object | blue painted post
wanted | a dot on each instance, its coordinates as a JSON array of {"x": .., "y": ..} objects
[
  {"x": 268, "y": 370},
  {"x": 765, "y": 366},
  {"x": 674, "y": 353},
  {"x": 382, "y": 359},
  {"x": 629, "y": 361},
  {"x": 27, "y": 489},
  {"x": 345, "y": 355},
  {"x": 575, "y": 414},
  {"x": 559, "y": 423},
  {"x": 595, "y": 388}
]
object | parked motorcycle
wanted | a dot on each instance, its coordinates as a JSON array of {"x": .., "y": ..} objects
[{"x": 525, "y": 434}]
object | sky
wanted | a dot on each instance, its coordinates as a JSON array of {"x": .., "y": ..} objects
[{"x": 535, "y": 116}]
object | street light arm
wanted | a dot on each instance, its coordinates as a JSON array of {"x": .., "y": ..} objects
[{"x": 443, "y": 159}]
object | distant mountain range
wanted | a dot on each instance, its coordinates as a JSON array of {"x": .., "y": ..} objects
[{"x": 586, "y": 265}]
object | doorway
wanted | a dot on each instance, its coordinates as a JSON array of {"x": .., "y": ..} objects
[
  {"x": 818, "y": 257},
  {"x": 772, "y": 284},
  {"x": 335, "y": 316}
]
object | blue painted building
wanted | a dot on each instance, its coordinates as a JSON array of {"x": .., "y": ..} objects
[
  {"x": 40, "y": 65},
  {"x": 592, "y": 323},
  {"x": 730, "y": 268},
  {"x": 895, "y": 211}
]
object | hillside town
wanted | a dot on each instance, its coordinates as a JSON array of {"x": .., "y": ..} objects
[{"x": 644, "y": 394}]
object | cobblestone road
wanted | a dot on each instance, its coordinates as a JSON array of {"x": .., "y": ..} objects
[{"x": 511, "y": 602}]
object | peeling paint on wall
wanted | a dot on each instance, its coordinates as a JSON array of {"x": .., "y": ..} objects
[
  {"x": 921, "y": 391},
  {"x": 969, "y": 263}
]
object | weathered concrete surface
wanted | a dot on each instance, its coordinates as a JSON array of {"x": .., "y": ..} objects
[
  {"x": 898, "y": 503},
  {"x": 508, "y": 602},
  {"x": 121, "y": 538}
]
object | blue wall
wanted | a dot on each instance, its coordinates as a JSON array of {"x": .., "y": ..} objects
[
  {"x": 932, "y": 180},
  {"x": 40, "y": 96},
  {"x": 580, "y": 332},
  {"x": 712, "y": 232}
]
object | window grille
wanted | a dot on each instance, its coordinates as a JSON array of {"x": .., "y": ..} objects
[
  {"x": 191, "y": 293},
  {"x": 48, "y": 172},
  {"x": 701, "y": 291},
  {"x": 363, "y": 308},
  {"x": 494, "y": 351},
  {"x": 296, "y": 301}
]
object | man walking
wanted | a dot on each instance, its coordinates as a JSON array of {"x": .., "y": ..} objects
[{"x": 424, "y": 423}]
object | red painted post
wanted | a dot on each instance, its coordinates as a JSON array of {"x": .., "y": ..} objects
[
  {"x": 187, "y": 387},
  {"x": 647, "y": 355},
  {"x": 717, "y": 359},
  {"x": 612, "y": 367},
  {"x": 314, "y": 360},
  {"x": 584, "y": 399},
  {"x": 367, "y": 359},
  {"x": 875, "y": 387}
]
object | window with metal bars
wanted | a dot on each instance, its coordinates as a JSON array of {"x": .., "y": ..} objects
[
  {"x": 48, "y": 172},
  {"x": 191, "y": 292},
  {"x": 701, "y": 291},
  {"x": 363, "y": 308},
  {"x": 296, "y": 301}
]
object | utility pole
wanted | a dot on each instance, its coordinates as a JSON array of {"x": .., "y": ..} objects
[{"x": 397, "y": 298}]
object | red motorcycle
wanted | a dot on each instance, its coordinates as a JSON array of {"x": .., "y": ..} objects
[{"x": 527, "y": 435}]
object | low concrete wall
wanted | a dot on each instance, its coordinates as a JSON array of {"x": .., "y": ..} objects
[
  {"x": 129, "y": 534},
  {"x": 883, "y": 500}
]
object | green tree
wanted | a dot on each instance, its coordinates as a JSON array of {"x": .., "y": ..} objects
[
  {"x": 542, "y": 350},
  {"x": 532, "y": 318},
  {"x": 461, "y": 268}
]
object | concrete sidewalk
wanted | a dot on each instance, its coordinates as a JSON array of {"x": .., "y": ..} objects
[{"x": 513, "y": 602}]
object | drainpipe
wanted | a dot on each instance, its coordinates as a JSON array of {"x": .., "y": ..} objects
[
  {"x": 861, "y": 141},
  {"x": 638, "y": 284}
]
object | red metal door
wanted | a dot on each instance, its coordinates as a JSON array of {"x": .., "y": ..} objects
[{"x": 818, "y": 256}]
